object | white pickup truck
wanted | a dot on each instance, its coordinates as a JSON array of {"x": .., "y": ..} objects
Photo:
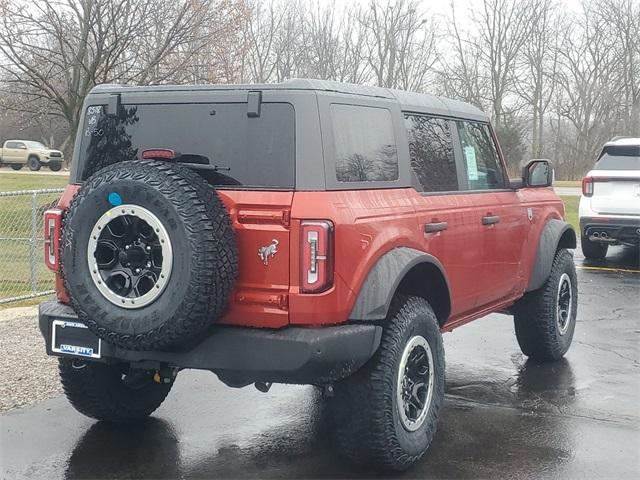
[{"x": 18, "y": 153}]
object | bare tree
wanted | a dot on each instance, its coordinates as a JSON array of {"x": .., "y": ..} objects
[
  {"x": 57, "y": 50},
  {"x": 461, "y": 74},
  {"x": 262, "y": 30},
  {"x": 588, "y": 79},
  {"x": 504, "y": 30},
  {"x": 624, "y": 18},
  {"x": 400, "y": 43},
  {"x": 538, "y": 65}
]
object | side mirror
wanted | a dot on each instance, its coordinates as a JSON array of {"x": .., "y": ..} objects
[{"x": 537, "y": 173}]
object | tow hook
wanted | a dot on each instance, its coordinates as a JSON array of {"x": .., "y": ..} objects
[
  {"x": 264, "y": 387},
  {"x": 165, "y": 375}
]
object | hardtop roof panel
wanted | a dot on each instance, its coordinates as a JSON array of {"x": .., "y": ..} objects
[{"x": 411, "y": 101}]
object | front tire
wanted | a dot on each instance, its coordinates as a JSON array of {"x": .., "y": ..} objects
[
  {"x": 593, "y": 250},
  {"x": 55, "y": 166},
  {"x": 386, "y": 413},
  {"x": 16, "y": 166},
  {"x": 34, "y": 164},
  {"x": 545, "y": 319},
  {"x": 111, "y": 393}
]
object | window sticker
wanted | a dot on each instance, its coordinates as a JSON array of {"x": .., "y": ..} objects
[{"x": 472, "y": 165}]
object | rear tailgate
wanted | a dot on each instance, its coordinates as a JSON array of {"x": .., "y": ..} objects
[
  {"x": 616, "y": 192},
  {"x": 260, "y": 219}
]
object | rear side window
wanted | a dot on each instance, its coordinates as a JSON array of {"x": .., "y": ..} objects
[
  {"x": 365, "y": 145},
  {"x": 480, "y": 157},
  {"x": 619, "y": 158},
  {"x": 431, "y": 153},
  {"x": 233, "y": 149},
  {"x": 11, "y": 145}
]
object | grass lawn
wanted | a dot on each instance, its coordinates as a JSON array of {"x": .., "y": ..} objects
[
  {"x": 21, "y": 245},
  {"x": 571, "y": 209},
  {"x": 568, "y": 183},
  {"x": 10, "y": 182}
]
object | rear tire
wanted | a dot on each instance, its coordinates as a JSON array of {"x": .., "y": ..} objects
[
  {"x": 16, "y": 166},
  {"x": 102, "y": 391},
  {"x": 593, "y": 250},
  {"x": 55, "y": 166},
  {"x": 378, "y": 422},
  {"x": 545, "y": 319},
  {"x": 34, "y": 164}
]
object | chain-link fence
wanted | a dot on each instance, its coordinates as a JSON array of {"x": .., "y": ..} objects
[{"x": 23, "y": 273}]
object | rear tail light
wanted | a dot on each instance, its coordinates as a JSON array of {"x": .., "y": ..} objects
[
  {"x": 587, "y": 186},
  {"x": 317, "y": 256},
  {"x": 52, "y": 227}
]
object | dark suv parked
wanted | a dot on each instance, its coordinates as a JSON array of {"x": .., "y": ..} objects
[{"x": 308, "y": 232}]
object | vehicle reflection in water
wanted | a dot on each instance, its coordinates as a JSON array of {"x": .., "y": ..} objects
[
  {"x": 549, "y": 386},
  {"x": 147, "y": 449},
  {"x": 621, "y": 257},
  {"x": 291, "y": 432}
]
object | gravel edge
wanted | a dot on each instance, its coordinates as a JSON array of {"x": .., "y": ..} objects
[{"x": 28, "y": 375}]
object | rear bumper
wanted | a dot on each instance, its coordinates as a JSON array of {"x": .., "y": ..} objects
[
  {"x": 242, "y": 355},
  {"x": 623, "y": 230}
]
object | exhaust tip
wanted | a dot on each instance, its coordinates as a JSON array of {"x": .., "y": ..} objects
[{"x": 596, "y": 234}]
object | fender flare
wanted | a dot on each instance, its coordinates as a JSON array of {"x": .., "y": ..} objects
[
  {"x": 554, "y": 232},
  {"x": 377, "y": 291}
]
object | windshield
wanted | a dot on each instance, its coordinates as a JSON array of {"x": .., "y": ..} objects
[
  {"x": 35, "y": 145},
  {"x": 219, "y": 140}
]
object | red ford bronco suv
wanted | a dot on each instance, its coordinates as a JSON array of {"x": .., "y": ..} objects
[{"x": 308, "y": 232}]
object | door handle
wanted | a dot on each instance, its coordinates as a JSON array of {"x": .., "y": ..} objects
[
  {"x": 490, "y": 220},
  {"x": 435, "y": 227}
]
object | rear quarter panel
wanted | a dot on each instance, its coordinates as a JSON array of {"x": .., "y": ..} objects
[{"x": 368, "y": 223}]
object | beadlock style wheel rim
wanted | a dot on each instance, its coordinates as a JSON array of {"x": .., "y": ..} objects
[
  {"x": 564, "y": 304},
  {"x": 130, "y": 256},
  {"x": 415, "y": 383}
]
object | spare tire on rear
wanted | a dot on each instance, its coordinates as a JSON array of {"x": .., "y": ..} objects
[{"x": 148, "y": 255}]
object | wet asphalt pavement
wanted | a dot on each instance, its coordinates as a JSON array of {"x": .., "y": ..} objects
[{"x": 504, "y": 417}]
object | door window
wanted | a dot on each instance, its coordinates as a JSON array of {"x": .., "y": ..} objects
[
  {"x": 431, "y": 153},
  {"x": 480, "y": 157},
  {"x": 365, "y": 145}
]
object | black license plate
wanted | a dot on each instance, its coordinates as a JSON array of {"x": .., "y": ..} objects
[{"x": 74, "y": 338}]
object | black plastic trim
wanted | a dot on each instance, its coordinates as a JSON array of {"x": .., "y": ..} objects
[{"x": 289, "y": 355}]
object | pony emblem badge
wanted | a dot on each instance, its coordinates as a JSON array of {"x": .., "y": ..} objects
[{"x": 268, "y": 252}]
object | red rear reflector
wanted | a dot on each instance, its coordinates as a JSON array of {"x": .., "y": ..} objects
[
  {"x": 316, "y": 243},
  {"x": 163, "y": 153},
  {"x": 52, "y": 231}
]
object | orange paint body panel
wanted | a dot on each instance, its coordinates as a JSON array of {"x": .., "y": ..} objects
[
  {"x": 483, "y": 276},
  {"x": 260, "y": 219}
]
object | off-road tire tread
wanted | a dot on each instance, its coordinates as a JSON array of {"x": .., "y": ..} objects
[
  {"x": 94, "y": 392},
  {"x": 535, "y": 314},
  {"x": 213, "y": 243},
  {"x": 364, "y": 423}
]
